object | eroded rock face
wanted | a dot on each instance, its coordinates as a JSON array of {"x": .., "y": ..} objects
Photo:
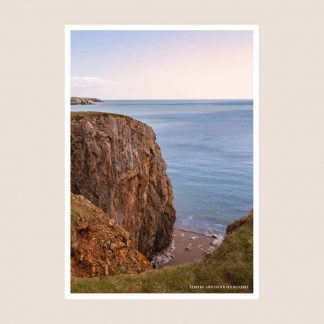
[
  {"x": 99, "y": 246},
  {"x": 117, "y": 165}
]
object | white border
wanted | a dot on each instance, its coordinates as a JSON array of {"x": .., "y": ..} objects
[{"x": 160, "y": 296}]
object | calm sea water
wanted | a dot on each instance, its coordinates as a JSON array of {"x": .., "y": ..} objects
[{"x": 208, "y": 148}]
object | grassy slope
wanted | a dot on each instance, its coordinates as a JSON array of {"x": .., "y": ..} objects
[{"x": 231, "y": 264}]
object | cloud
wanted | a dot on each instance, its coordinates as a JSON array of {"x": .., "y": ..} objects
[{"x": 89, "y": 82}]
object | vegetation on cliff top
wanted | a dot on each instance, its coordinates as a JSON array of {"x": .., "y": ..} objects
[
  {"x": 230, "y": 265},
  {"x": 77, "y": 115}
]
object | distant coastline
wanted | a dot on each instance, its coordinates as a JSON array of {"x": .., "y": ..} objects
[{"x": 84, "y": 101}]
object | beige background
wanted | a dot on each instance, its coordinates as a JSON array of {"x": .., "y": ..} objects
[{"x": 32, "y": 161}]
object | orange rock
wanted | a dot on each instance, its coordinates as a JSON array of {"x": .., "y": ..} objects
[{"x": 97, "y": 247}]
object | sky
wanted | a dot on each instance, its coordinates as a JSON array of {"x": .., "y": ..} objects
[{"x": 162, "y": 64}]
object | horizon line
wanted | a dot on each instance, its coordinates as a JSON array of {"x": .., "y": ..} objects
[{"x": 165, "y": 98}]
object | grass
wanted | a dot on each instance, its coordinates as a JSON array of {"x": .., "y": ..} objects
[
  {"x": 82, "y": 210},
  {"x": 86, "y": 114},
  {"x": 229, "y": 267}
]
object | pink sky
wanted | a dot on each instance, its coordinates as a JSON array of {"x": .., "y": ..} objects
[{"x": 162, "y": 64}]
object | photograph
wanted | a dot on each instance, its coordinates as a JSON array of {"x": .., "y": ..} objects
[
  {"x": 161, "y": 182},
  {"x": 162, "y": 161}
]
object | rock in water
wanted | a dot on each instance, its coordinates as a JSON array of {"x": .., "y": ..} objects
[
  {"x": 216, "y": 242},
  {"x": 117, "y": 165}
]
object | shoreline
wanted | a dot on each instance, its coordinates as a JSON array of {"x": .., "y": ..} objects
[
  {"x": 188, "y": 246},
  {"x": 197, "y": 233}
]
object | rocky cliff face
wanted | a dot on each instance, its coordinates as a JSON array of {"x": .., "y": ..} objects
[
  {"x": 99, "y": 246},
  {"x": 117, "y": 165}
]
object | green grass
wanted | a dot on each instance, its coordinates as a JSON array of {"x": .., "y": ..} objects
[
  {"x": 81, "y": 211},
  {"x": 230, "y": 265},
  {"x": 86, "y": 114}
]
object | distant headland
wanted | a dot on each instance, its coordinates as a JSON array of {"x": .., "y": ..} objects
[{"x": 84, "y": 101}]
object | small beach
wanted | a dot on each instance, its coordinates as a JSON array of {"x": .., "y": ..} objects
[{"x": 189, "y": 247}]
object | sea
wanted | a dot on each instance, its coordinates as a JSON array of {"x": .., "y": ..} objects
[{"x": 208, "y": 149}]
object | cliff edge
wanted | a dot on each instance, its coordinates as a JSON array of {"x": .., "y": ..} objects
[{"x": 117, "y": 165}]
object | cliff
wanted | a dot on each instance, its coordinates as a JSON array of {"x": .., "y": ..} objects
[
  {"x": 98, "y": 245},
  {"x": 117, "y": 165},
  {"x": 84, "y": 101}
]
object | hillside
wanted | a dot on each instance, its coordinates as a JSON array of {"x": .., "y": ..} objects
[{"x": 98, "y": 245}]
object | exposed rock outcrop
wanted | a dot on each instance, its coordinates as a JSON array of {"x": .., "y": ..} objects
[
  {"x": 117, "y": 165},
  {"x": 84, "y": 101},
  {"x": 99, "y": 246}
]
